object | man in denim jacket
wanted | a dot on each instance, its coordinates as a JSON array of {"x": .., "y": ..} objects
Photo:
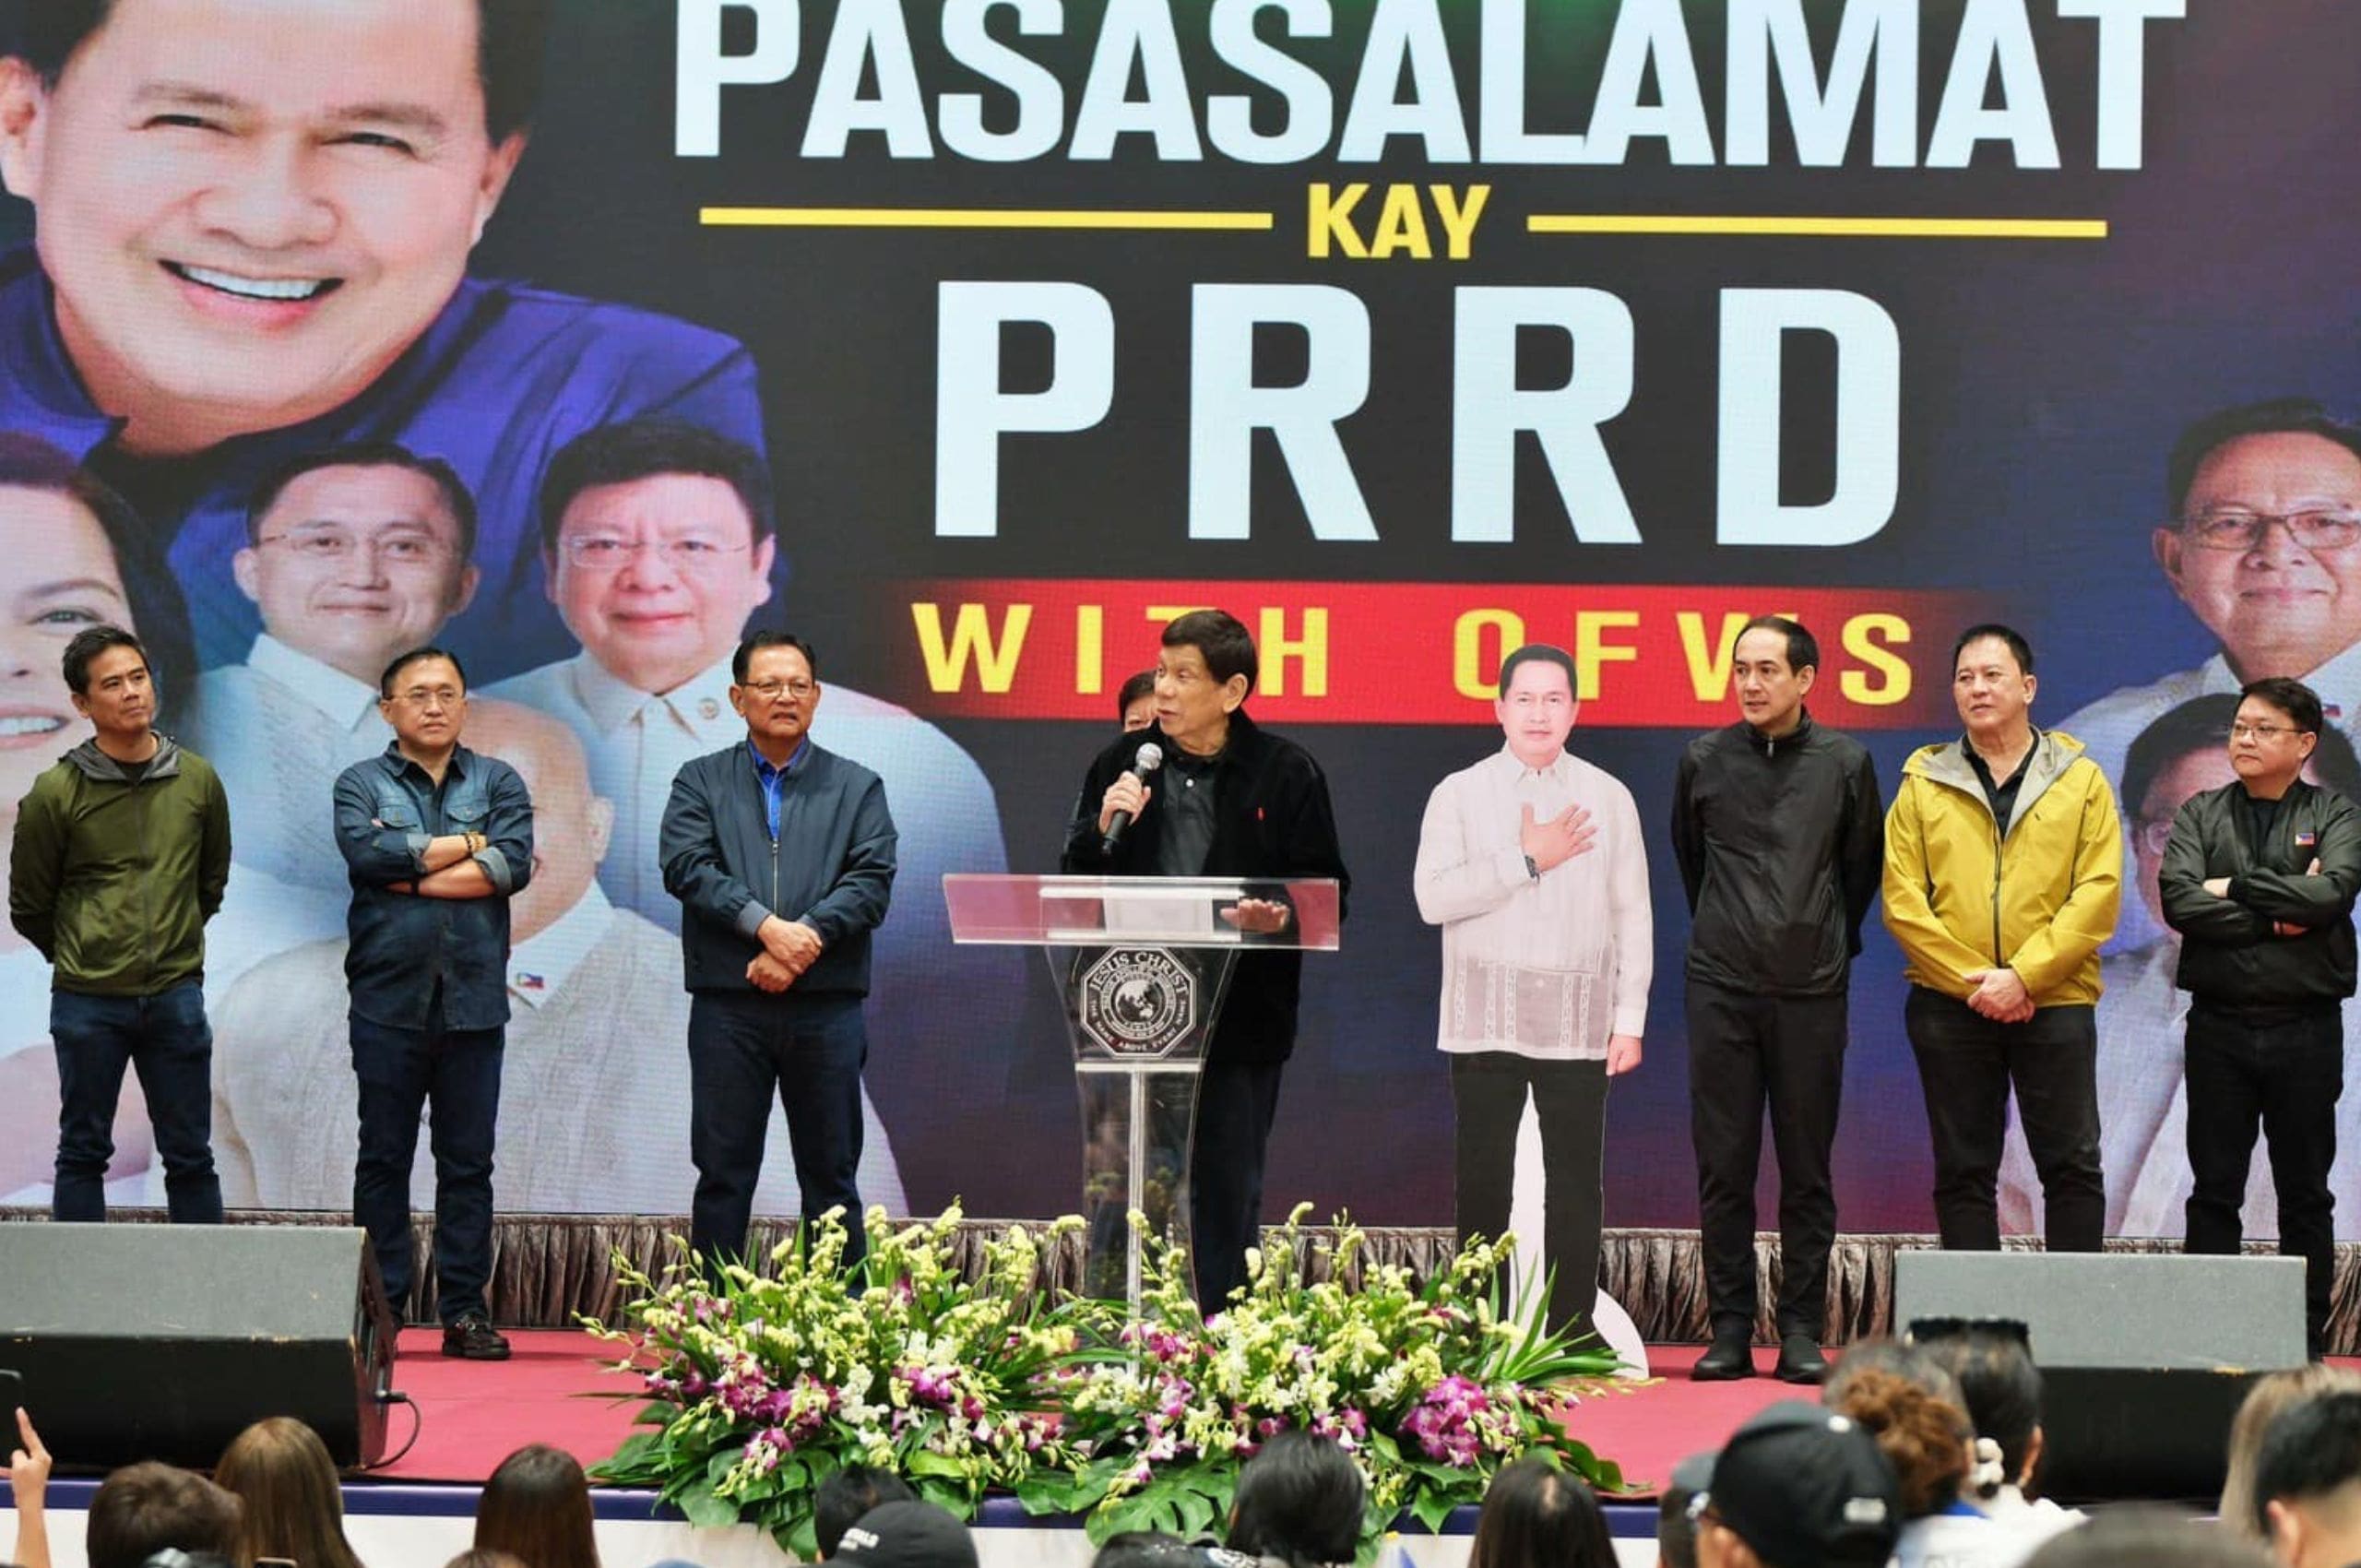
[{"x": 437, "y": 840}]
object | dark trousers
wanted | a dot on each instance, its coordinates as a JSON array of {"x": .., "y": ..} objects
[
  {"x": 167, "y": 1040},
  {"x": 454, "y": 1076},
  {"x": 1488, "y": 1092},
  {"x": 2283, "y": 1077},
  {"x": 744, "y": 1049},
  {"x": 1236, "y": 1102},
  {"x": 1748, "y": 1052},
  {"x": 1967, "y": 1065}
]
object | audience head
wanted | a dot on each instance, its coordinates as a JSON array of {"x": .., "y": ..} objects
[
  {"x": 1675, "y": 1531},
  {"x": 143, "y": 1509},
  {"x": 1797, "y": 1487},
  {"x": 1914, "y": 1410},
  {"x": 1300, "y": 1499},
  {"x": 280, "y": 1470},
  {"x": 2000, "y": 1385},
  {"x": 2264, "y": 1404},
  {"x": 537, "y": 1507},
  {"x": 907, "y": 1535},
  {"x": 2147, "y": 1537},
  {"x": 2307, "y": 1481},
  {"x": 1538, "y": 1516},
  {"x": 846, "y": 1494},
  {"x": 1148, "y": 1548},
  {"x": 474, "y": 1558}
]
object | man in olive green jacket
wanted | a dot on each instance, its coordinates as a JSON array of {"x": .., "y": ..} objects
[{"x": 121, "y": 854}]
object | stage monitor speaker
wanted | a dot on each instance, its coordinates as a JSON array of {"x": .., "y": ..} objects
[
  {"x": 2144, "y": 1357},
  {"x": 165, "y": 1341}
]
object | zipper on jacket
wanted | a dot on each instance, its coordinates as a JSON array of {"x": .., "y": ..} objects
[
  {"x": 146, "y": 882},
  {"x": 1999, "y": 846}
]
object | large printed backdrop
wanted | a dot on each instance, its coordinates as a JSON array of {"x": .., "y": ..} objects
[{"x": 1406, "y": 330}]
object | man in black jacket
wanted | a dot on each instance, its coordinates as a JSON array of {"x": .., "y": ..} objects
[
  {"x": 1779, "y": 829},
  {"x": 1236, "y": 801},
  {"x": 782, "y": 857},
  {"x": 2259, "y": 877}
]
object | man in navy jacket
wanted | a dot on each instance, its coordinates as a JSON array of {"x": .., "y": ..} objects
[{"x": 782, "y": 857}]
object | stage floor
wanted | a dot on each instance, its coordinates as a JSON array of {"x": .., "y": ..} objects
[{"x": 472, "y": 1414}]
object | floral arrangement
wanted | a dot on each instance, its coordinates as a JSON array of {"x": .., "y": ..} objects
[
  {"x": 760, "y": 1386},
  {"x": 1431, "y": 1387},
  {"x": 764, "y": 1385}
]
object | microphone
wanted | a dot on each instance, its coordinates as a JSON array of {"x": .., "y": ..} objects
[{"x": 1149, "y": 758}]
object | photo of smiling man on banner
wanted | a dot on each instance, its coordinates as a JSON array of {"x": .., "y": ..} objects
[{"x": 252, "y": 221}]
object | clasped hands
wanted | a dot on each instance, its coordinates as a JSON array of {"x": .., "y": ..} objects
[
  {"x": 789, "y": 948},
  {"x": 2001, "y": 995}
]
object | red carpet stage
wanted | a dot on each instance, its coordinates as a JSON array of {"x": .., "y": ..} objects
[{"x": 472, "y": 1414}]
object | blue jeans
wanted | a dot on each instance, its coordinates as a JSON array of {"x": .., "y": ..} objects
[
  {"x": 165, "y": 1037},
  {"x": 402, "y": 1072},
  {"x": 743, "y": 1047}
]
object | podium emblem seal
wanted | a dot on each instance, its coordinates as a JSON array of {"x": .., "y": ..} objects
[{"x": 1138, "y": 1003}]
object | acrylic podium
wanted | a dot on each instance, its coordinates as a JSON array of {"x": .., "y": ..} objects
[{"x": 1141, "y": 965}]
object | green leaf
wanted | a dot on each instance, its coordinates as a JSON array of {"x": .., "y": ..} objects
[
  {"x": 1431, "y": 1509},
  {"x": 1196, "y": 1513},
  {"x": 707, "y": 1512},
  {"x": 924, "y": 1463}
]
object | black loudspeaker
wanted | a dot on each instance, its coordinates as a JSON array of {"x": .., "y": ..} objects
[
  {"x": 165, "y": 1341},
  {"x": 2144, "y": 1358}
]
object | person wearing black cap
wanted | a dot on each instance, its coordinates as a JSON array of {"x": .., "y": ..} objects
[
  {"x": 907, "y": 1535},
  {"x": 1797, "y": 1487}
]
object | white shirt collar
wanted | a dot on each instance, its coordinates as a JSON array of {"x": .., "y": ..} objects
[
  {"x": 1560, "y": 769},
  {"x": 700, "y": 704},
  {"x": 331, "y": 690},
  {"x": 2338, "y": 682},
  {"x": 539, "y": 966}
]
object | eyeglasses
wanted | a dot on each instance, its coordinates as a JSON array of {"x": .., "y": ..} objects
[
  {"x": 771, "y": 691},
  {"x": 431, "y": 696},
  {"x": 2323, "y": 529},
  {"x": 2240, "y": 729},
  {"x": 603, "y": 552},
  {"x": 329, "y": 545}
]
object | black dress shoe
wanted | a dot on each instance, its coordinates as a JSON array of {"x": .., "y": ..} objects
[
  {"x": 1731, "y": 1358},
  {"x": 474, "y": 1339},
  {"x": 1800, "y": 1360}
]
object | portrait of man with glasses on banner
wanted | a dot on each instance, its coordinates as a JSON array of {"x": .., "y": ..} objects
[
  {"x": 353, "y": 553},
  {"x": 657, "y": 540},
  {"x": 2261, "y": 539}
]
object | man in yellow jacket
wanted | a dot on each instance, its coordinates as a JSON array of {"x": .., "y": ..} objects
[{"x": 2003, "y": 875}]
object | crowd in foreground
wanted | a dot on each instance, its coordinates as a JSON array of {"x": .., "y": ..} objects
[{"x": 1920, "y": 1453}]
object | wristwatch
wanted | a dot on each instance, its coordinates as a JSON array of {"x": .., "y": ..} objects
[{"x": 1532, "y": 872}]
